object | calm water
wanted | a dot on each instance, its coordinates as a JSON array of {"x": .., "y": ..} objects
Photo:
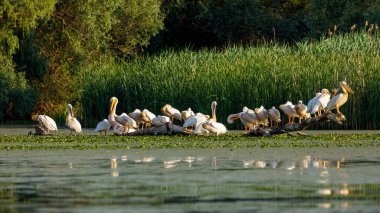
[{"x": 177, "y": 180}]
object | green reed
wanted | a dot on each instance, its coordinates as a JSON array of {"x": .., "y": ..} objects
[{"x": 267, "y": 75}]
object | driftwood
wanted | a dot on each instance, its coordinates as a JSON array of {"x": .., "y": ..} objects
[
  {"x": 328, "y": 116},
  {"x": 166, "y": 129}
]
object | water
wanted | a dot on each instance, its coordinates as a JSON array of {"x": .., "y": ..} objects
[{"x": 177, "y": 180}]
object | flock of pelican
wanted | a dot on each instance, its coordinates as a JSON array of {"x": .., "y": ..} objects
[
  {"x": 323, "y": 101},
  {"x": 199, "y": 123}
]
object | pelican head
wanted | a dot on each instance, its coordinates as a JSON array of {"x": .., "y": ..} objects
[
  {"x": 345, "y": 87},
  {"x": 245, "y": 109},
  {"x": 300, "y": 102},
  {"x": 325, "y": 92}
]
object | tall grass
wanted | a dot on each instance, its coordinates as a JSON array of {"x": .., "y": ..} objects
[{"x": 267, "y": 75}]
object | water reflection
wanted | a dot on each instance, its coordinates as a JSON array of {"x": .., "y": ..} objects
[{"x": 171, "y": 181}]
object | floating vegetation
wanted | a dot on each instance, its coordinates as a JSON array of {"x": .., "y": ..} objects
[{"x": 233, "y": 141}]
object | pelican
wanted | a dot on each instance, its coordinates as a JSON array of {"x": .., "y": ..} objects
[
  {"x": 126, "y": 121},
  {"x": 46, "y": 123},
  {"x": 301, "y": 110},
  {"x": 340, "y": 99},
  {"x": 262, "y": 116},
  {"x": 187, "y": 113},
  {"x": 111, "y": 116},
  {"x": 160, "y": 120},
  {"x": 288, "y": 109},
  {"x": 320, "y": 103},
  {"x": 212, "y": 125},
  {"x": 147, "y": 117},
  {"x": 195, "y": 120},
  {"x": 103, "y": 126},
  {"x": 71, "y": 122},
  {"x": 247, "y": 118},
  {"x": 274, "y": 116},
  {"x": 312, "y": 101},
  {"x": 136, "y": 115},
  {"x": 171, "y": 112}
]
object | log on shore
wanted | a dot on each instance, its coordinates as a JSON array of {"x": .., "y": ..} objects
[
  {"x": 328, "y": 116},
  {"x": 39, "y": 131}
]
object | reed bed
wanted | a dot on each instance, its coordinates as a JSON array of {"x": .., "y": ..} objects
[{"x": 267, "y": 75}]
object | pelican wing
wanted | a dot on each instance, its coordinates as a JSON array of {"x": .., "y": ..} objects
[
  {"x": 125, "y": 120},
  {"x": 219, "y": 126},
  {"x": 232, "y": 118},
  {"x": 248, "y": 117},
  {"x": 160, "y": 120},
  {"x": 47, "y": 123},
  {"x": 74, "y": 125},
  {"x": 333, "y": 102},
  {"x": 103, "y": 125}
]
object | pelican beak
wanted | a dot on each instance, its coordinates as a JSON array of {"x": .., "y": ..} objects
[
  {"x": 348, "y": 89},
  {"x": 112, "y": 105}
]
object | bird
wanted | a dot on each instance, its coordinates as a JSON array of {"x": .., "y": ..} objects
[
  {"x": 147, "y": 117},
  {"x": 312, "y": 101},
  {"x": 112, "y": 113},
  {"x": 288, "y": 109},
  {"x": 340, "y": 99},
  {"x": 103, "y": 126},
  {"x": 262, "y": 116},
  {"x": 171, "y": 112},
  {"x": 160, "y": 120},
  {"x": 46, "y": 123},
  {"x": 126, "y": 121},
  {"x": 247, "y": 118},
  {"x": 212, "y": 125},
  {"x": 136, "y": 115},
  {"x": 301, "y": 110},
  {"x": 274, "y": 116},
  {"x": 194, "y": 120},
  {"x": 71, "y": 122},
  {"x": 187, "y": 113},
  {"x": 320, "y": 103}
]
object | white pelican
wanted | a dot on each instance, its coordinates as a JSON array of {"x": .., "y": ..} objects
[
  {"x": 274, "y": 116},
  {"x": 312, "y": 101},
  {"x": 288, "y": 109},
  {"x": 320, "y": 103},
  {"x": 195, "y": 120},
  {"x": 187, "y": 113},
  {"x": 160, "y": 120},
  {"x": 247, "y": 118},
  {"x": 136, "y": 115},
  {"x": 111, "y": 116},
  {"x": 212, "y": 125},
  {"x": 71, "y": 122},
  {"x": 47, "y": 123},
  {"x": 262, "y": 116},
  {"x": 126, "y": 121},
  {"x": 171, "y": 112},
  {"x": 340, "y": 99},
  {"x": 103, "y": 126},
  {"x": 301, "y": 110},
  {"x": 147, "y": 117}
]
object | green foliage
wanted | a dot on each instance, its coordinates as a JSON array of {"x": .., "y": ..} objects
[
  {"x": 80, "y": 32},
  {"x": 17, "y": 99},
  {"x": 268, "y": 75}
]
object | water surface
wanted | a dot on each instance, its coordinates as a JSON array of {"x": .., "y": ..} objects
[{"x": 178, "y": 180}]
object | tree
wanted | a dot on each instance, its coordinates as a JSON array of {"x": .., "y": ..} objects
[
  {"x": 80, "y": 32},
  {"x": 17, "y": 18}
]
